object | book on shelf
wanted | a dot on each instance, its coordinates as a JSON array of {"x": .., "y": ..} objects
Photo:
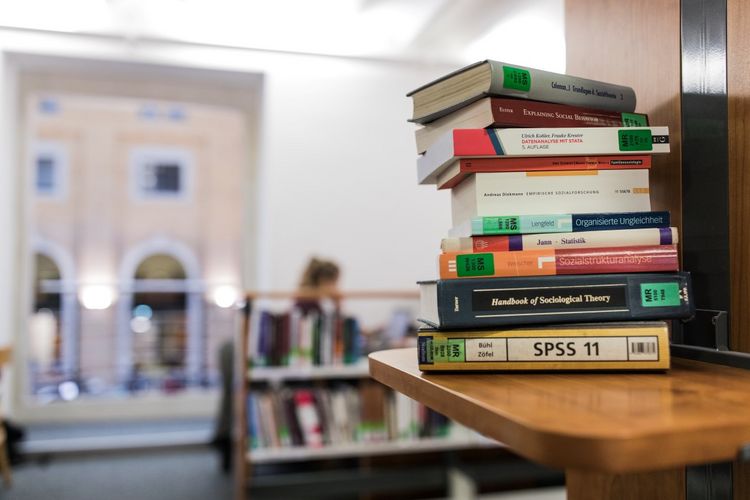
[
  {"x": 524, "y": 142},
  {"x": 552, "y": 261},
  {"x": 493, "y": 78},
  {"x": 601, "y": 346},
  {"x": 304, "y": 340},
  {"x": 533, "y": 193},
  {"x": 460, "y": 169},
  {"x": 583, "y": 239},
  {"x": 317, "y": 417},
  {"x": 500, "y": 112},
  {"x": 558, "y": 223},
  {"x": 490, "y": 302}
]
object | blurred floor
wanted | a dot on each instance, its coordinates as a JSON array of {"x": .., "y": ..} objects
[{"x": 189, "y": 473}]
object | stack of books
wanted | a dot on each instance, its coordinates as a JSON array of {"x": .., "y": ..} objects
[{"x": 553, "y": 238}]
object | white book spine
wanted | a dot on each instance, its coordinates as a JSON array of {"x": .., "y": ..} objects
[{"x": 533, "y": 193}]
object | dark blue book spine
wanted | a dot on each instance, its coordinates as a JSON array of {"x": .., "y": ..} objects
[
  {"x": 489, "y": 302},
  {"x": 633, "y": 220}
]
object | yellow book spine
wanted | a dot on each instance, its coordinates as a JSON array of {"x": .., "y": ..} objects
[{"x": 571, "y": 348}]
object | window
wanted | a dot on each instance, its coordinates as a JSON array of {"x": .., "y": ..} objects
[
  {"x": 49, "y": 164},
  {"x": 161, "y": 173}
]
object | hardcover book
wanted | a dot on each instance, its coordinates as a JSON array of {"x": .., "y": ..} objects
[
  {"x": 466, "y": 85},
  {"x": 551, "y": 261},
  {"x": 602, "y": 346},
  {"x": 559, "y": 223},
  {"x": 458, "y": 170},
  {"x": 504, "y": 112},
  {"x": 490, "y": 302},
  {"x": 583, "y": 239},
  {"x": 531, "y": 193},
  {"x": 520, "y": 142}
]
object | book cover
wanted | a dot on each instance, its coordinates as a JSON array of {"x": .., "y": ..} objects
[
  {"x": 499, "y": 112},
  {"x": 520, "y": 142},
  {"x": 460, "y": 169},
  {"x": 583, "y": 239},
  {"x": 466, "y": 85},
  {"x": 558, "y": 223},
  {"x": 489, "y": 302},
  {"x": 532, "y": 193},
  {"x": 551, "y": 261},
  {"x": 603, "y": 346}
]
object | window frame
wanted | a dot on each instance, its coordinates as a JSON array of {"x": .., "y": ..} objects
[
  {"x": 142, "y": 156},
  {"x": 59, "y": 152}
]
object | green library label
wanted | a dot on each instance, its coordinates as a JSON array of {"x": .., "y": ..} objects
[
  {"x": 660, "y": 294},
  {"x": 449, "y": 351},
  {"x": 475, "y": 264},
  {"x": 501, "y": 225},
  {"x": 634, "y": 120},
  {"x": 516, "y": 79},
  {"x": 635, "y": 140}
]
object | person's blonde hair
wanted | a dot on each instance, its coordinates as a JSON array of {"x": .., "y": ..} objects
[{"x": 319, "y": 271}]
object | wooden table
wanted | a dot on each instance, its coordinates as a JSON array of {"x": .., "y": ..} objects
[{"x": 618, "y": 436}]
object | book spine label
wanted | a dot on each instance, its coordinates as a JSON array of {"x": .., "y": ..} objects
[
  {"x": 472, "y": 303},
  {"x": 448, "y": 352},
  {"x": 584, "y": 239},
  {"x": 547, "y": 262},
  {"x": 540, "y": 85},
  {"x": 529, "y": 193},
  {"x": 532, "y": 224},
  {"x": 560, "y": 141},
  {"x": 520, "y": 113},
  {"x": 467, "y": 166}
]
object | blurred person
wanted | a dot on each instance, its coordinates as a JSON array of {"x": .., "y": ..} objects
[{"x": 318, "y": 289}]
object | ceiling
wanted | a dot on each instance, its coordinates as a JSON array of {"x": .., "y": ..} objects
[{"x": 452, "y": 31}]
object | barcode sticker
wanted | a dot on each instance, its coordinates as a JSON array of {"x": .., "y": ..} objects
[{"x": 643, "y": 348}]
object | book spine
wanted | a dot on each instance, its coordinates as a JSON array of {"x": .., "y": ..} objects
[
  {"x": 615, "y": 349},
  {"x": 487, "y": 302},
  {"x": 468, "y": 166},
  {"x": 584, "y": 239},
  {"x": 566, "y": 223},
  {"x": 539, "y": 85},
  {"x": 550, "y": 262},
  {"x": 560, "y": 141},
  {"x": 530, "y": 193},
  {"x": 520, "y": 113},
  {"x": 520, "y": 142}
]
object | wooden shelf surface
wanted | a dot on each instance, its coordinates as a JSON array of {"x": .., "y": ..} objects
[{"x": 608, "y": 422}]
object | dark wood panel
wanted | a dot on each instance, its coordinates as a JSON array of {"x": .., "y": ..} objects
[
  {"x": 660, "y": 485},
  {"x": 738, "y": 87},
  {"x": 738, "y": 83},
  {"x": 635, "y": 43}
]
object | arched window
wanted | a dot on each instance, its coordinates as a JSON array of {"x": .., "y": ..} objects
[
  {"x": 45, "y": 335},
  {"x": 159, "y": 324}
]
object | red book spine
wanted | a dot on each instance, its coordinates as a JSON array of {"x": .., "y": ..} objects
[
  {"x": 469, "y": 166},
  {"x": 523, "y": 113},
  {"x": 490, "y": 243},
  {"x": 617, "y": 260}
]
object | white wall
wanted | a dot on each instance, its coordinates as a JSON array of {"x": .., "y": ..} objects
[{"x": 336, "y": 165}]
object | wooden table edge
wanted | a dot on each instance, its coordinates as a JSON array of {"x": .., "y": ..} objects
[{"x": 616, "y": 454}]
